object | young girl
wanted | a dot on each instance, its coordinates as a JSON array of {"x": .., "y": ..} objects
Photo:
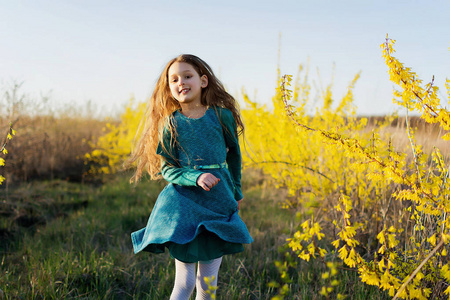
[{"x": 190, "y": 137}]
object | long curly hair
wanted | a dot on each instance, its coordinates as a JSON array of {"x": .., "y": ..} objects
[{"x": 159, "y": 114}]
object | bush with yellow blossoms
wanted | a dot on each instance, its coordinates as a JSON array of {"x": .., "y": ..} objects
[
  {"x": 385, "y": 213},
  {"x": 111, "y": 149}
]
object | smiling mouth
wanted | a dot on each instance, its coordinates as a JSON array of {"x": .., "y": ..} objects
[{"x": 184, "y": 91}]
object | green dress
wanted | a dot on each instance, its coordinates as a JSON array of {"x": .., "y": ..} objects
[{"x": 194, "y": 224}]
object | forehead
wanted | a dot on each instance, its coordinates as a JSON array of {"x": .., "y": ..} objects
[{"x": 180, "y": 67}]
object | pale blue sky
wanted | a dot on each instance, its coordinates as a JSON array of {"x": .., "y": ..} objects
[{"x": 107, "y": 51}]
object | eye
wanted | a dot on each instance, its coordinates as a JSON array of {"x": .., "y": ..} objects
[{"x": 188, "y": 76}]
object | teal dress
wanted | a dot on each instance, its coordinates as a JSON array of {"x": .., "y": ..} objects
[{"x": 194, "y": 224}]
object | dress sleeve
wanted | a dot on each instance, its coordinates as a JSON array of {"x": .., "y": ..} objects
[
  {"x": 234, "y": 151},
  {"x": 171, "y": 170}
]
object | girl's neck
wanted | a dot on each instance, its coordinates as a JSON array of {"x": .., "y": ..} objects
[{"x": 193, "y": 111}]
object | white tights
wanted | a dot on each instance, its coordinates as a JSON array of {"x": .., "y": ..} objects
[{"x": 185, "y": 279}]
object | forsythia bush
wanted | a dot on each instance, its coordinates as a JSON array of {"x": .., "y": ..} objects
[
  {"x": 112, "y": 148},
  {"x": 314, "y": 169},
  {"x": 387, "y": 215}
]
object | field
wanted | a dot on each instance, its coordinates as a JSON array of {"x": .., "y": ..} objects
[
  {"x": 68, "y": 236},
  {"x": 65, "y": 234},
  {"x": 71, "y": 240}
]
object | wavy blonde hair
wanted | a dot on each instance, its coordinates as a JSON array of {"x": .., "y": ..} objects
[{"x": 159, "y": 115}]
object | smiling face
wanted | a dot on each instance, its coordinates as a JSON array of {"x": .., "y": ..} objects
[{"x": 186, "y": 84}]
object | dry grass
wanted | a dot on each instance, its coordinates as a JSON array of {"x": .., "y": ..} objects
[
  {"x": 426, "y": 135},
  {"x": 52, "y": 137},
  {"x": 48, "y": 147}
]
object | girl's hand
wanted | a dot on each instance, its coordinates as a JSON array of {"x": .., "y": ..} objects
[
  {"x": 207, "y": 180},
  {"x": 239, "y": 203}
]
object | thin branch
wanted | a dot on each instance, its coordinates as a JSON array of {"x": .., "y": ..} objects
[
  {"x": 411, "y": 277},
  {"x": 413, "y": 147},
  {"x": 430, "y": 110},
  {"x": 291, "y": 164},
  {"x": 9, "y": 132}
]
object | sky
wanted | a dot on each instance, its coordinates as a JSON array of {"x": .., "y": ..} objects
[{"x": 108, "y": 52}]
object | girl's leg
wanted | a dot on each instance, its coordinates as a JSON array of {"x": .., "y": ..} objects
[
  {"x": 184, "y": 280},
  {"x": 207, "y": 269}
]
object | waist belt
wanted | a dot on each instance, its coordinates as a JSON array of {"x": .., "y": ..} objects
[{"x": 213, "y": 166}]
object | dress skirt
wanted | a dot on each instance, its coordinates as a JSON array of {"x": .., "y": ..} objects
[{"x": 189, "y": 230}]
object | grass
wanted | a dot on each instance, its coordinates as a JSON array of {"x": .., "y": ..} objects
[{"x": 81, "y": 247}]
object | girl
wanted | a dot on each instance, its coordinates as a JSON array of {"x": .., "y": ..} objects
[{"x": 190, "y": 137}]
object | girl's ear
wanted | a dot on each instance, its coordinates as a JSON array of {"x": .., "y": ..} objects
[{"x": 204, "y": 81}]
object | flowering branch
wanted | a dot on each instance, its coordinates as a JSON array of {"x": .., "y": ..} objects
[{"x": 3, "y": 150}]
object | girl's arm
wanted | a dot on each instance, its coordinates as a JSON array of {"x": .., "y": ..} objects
[
  {"x": 179, "y": 175},
  {"x": 234, "y": 152},
  {"x": 170, "y": 168}
]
